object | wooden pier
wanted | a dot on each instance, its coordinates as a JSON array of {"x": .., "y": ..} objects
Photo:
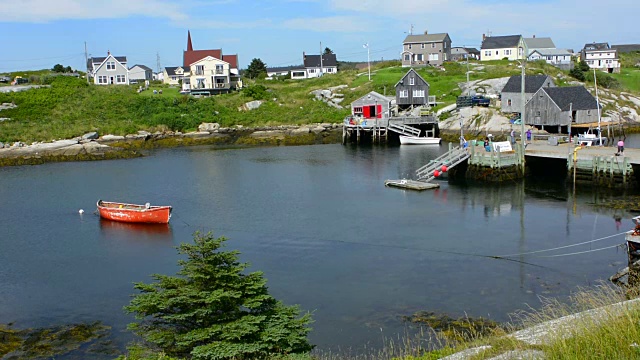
[{"x": 358, "y": 129}]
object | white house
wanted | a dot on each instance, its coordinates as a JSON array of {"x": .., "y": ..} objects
[
  {"x": 500, "y": 47},
  {"x": 538, "y": 43},
  {"x": 557, "y": 57},
  {"x": 313, "y": 67},
  {"x": 140, "y": 73},
  {"x": 601, "y": 56},
  {"x": 109, "y": 70}
]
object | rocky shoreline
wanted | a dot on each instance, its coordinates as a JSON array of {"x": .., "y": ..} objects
[{"x": 92, "y": 146}]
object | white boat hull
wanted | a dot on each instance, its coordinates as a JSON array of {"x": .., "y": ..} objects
[{"x": 416, "y": 140}]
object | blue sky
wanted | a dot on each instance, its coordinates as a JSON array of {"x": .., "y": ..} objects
[{"x": 37, "y": 34}]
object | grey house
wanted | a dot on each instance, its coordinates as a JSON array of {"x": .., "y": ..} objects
[
  {"x": 372, "y": 106},
  {"x": 140, "y": 73},
  {"x": 426, "y": 49},
  {"x": 511, "y": 96},
  {"x": 412, "y": 90},
  {"x": 109, "y": 70},
  {"x": 560, "y": 105},
  {"x": 462, "y": 53}
]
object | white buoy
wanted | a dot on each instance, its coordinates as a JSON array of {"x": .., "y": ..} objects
[{"x": 81, "y": 211}]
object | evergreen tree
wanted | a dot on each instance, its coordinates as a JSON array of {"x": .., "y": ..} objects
[
  {"x": 58, "y": 68},
  {"x": 256, "y": 68},
  {"x": 212, "y": 310},
  {"x": 327, "y": 51}
]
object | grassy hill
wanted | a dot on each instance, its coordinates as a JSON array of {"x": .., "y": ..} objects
[{"x": 70, "y": 107}]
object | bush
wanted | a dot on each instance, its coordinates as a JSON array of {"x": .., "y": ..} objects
[
  {"x": 577, "y": 73},
  {"x": 256, "y": 92}
]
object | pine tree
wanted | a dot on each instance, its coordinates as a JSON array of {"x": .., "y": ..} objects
[
  {"x": 256, "y": 68},
  {"x": 213, "y": 310}
]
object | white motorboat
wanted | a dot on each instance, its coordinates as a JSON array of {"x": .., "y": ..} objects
[{"x": 417, "y": 140}]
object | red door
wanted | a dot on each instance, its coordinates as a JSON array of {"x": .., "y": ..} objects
[
  {"x": 379, "y": 112},
  {"x": 365, "y": 112}
]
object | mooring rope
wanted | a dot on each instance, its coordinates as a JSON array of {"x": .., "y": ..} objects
[
  {"x": 562, "y": 247},
  {"x": 581, "y": 252}
]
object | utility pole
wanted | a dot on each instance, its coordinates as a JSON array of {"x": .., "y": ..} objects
[
  {"x": 368, "y": 61},
  {"x": 321, "y": 71},
  {"x": 522, "y": 110},
  {"x": 570, "y": 121},
  {"x": 86, "y": 61},
  {"x": 595, "y": 82}
]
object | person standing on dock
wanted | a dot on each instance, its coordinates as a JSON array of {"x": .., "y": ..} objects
[
  {"x": 513, "y": 136},
  {"x": 620, "y": 147},
  {"x": 529, "y": 135}
]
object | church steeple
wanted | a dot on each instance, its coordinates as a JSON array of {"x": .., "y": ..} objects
[{"x": 189, "y": 45}]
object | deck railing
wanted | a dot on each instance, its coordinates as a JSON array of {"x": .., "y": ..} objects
[{"x": 495, "y": 159}]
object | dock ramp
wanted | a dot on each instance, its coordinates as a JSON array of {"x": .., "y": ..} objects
[
  {"x": 404, "y": 129},
  {"x": 449, "y": 159}
]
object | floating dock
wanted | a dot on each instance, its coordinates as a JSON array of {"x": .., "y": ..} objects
[{"x": 411, "y": 184}]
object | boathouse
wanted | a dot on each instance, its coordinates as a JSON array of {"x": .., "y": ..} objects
[
  {"x": 561, "y": 105},
  {"x": 371, "y": 106},
  {"x": 511, "y": 95},
  {"x": 412, "y": 91}
]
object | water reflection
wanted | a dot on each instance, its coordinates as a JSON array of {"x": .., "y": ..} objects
[{"x": 135, "y": 231}]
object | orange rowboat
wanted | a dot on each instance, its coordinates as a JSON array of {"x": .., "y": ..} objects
[{"x": 134, "y": 213}]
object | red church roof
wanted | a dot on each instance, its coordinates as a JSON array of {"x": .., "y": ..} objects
[
  {"x": 190, "y": 56},
  {"x": 232, "y": 60}
]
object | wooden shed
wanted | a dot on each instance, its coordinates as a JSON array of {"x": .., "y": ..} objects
[
  {"x": 372, "y": 106},
  {"x": 559, "y": 105},
  {"x": 412, "y": 90}
]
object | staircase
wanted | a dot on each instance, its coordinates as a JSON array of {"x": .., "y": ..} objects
[
  {"x": 450, "y": 159},
  {"x": 404, "y": 129}
]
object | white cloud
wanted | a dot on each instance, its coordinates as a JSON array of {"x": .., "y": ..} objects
[
  {"x": 38, "y": 11},
  {"x": 328, "y": 24}
]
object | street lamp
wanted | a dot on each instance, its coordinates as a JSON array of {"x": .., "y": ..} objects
[{"x": 366, "y": 46}]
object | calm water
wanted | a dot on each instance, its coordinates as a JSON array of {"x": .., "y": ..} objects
[{"x": 316, "y": 219}]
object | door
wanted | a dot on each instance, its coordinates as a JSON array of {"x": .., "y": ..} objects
[
  {"x": 366, "y": 112},
  {"x": 372, "y": 111},
  {"x": 111, "y": 80},
  {"x": 379, "y": 111}
]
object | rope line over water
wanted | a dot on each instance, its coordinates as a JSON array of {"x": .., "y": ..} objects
[{"x": 561, "y": 247}]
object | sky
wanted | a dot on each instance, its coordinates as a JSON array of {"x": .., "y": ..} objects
[{"x": 37, "y": 34}]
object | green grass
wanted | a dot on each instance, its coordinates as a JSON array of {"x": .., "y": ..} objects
[{"x": 629, "y": 78}]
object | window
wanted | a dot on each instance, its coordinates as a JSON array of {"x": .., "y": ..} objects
[
  {"x": 409, "y": 46},
  {"x": 219, "y": 69},
  {"x": 199, "y": 69},
  {"x": 433, "y": 45},
  {"x": 419, "y": 57},
  {"x": 496, "y": 52},
  {"x": 507, "y": 52},
  {"x": 508, "y": 102},
  {"x": 537, "y": 113},
  {"x": 312, "y": 71},
  {"x": 407, "y": 57},
  {"x": 421, "y": 46},
  {"x": 357, "y": 110},
  {"x": 418, "y": 93},
  {"x": 102, "y": 79},
  {"x": 297, "y": 74},
  {"x": 433, "y": 57},
  {"x": 174, "y": 78},
  {"x": 404, "y": 93},
  {"x": 111, "y": 65},
  {"x": 487, "y": 53},
  {"x": 589, "y": 112},
  {"x": 412, "y": 81},
  {"x": 121, "y": 79}
]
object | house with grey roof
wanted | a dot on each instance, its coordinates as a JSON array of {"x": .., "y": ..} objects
[
  {"x": 426, "y": 49},
  {"x": 463, "y": 53},
  {"x": 536, "y": 43},
  {"x": 371, "y": 106},
  {"x": 172, "y": 75},
  {"x": 560, "y": 106},
  {"x": 140, "y": 73},
  {"x": 511, "y": 96},
  {"x": 559, "y": 58},
  {"x": 626, "y": 48},
  {"x": 109, "y": 70},
  {"x": 281, "y": 71},
  {"x": 500, "y": 47},
  {"x": 601, "y": 56}
]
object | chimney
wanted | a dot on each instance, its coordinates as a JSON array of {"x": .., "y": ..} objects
[
  {"x": 484, "y": 37},
  {"x": 108, "y": 52}
]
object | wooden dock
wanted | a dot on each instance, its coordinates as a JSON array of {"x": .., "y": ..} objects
[{"x": 358, "y": 129}]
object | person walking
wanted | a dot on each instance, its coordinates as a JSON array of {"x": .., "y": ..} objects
[
  {"x": 529, "y": 135},
  {"x": 620, "y": 147}
]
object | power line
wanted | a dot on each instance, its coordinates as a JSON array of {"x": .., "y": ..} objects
[{"x": 47, "y": 58}]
